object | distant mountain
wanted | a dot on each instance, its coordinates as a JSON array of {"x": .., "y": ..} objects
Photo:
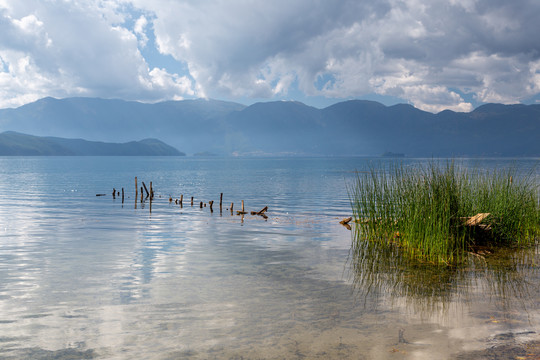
[
  {"x": 288, "y": 128},
  {"x": 182, "y": 124},
  {"x": 13, "y": 143}
]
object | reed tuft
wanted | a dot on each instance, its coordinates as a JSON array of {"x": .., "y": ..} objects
[{"x": 422, "y": 209}]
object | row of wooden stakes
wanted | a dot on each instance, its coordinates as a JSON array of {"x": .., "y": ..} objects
[
  {"x": 211, "y": 204},
  {"x": 150, "y": 196}
]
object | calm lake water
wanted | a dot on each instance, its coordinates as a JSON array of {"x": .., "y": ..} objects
[{"x": 87, "y": 277}]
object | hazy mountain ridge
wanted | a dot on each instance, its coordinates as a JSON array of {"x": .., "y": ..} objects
[
  {"x": 355, "y": 127},
  {"x": 115, "y": 120},
  {"x": 13, "y": 143}
]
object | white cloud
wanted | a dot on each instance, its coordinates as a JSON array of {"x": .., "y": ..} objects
[
  {"x": 534, "y": 68},
  {"x": 423, "y": 52},
  {"x": 435, "y": 99},
  {"x": 139, "y": 29},
  {"x": 29, "y": 24},
  {"x": 77, "y": 48},
  {"x": 161, "y": 80}
]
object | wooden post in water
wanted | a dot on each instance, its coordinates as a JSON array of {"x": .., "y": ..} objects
[
  {"x": 136, "y": 192},
  {"x": 220, "y": 201},
  {"x": 211, "y": 202},
  {"x": 181, "y": 199},
  {"x": 242, "y": 212},
  {"x": 151, "y": 196},
  {"x": 192, "y": 201},
  {"x": 122, "y": 195},
  {"x": 201, "y": 205},
  {"x": 114, "y": 193},
  {"x": 142, "y": 194},
  {"x": 232, "y": 204}
]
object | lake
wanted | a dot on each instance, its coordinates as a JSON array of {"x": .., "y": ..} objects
[{"x": 92, "y": 277}]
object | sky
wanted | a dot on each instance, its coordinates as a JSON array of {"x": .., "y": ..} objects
[{"x": 433, "y": 54}]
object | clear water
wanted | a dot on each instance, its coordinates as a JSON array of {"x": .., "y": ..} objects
[{"x": 85, "y": 277}]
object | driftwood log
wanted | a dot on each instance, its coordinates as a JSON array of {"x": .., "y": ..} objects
[
  {"x": 476, "y": 219},
  {"x": 265, "y": 209},
  {"x": 261, "y": 213},
  {"x": 345, "y": 222}
]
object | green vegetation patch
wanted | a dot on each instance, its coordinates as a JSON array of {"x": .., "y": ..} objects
[{"x": 442, "y": 212}]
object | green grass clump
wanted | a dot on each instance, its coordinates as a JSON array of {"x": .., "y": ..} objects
[{"x": 421, "y": 209}]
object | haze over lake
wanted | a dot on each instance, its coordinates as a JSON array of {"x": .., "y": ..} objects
[{"x": 281, "y": 128}]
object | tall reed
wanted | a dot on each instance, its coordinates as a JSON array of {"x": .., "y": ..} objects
[{"x": 421, "y": 208}]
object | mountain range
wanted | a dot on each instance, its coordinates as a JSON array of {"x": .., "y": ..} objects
[{"x": 353, "y": 127}]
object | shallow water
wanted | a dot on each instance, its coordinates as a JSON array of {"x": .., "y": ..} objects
[{"x": 89, "y": 277}]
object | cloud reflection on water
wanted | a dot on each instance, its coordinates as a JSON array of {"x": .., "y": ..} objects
[{"x": 85, "y": 274}]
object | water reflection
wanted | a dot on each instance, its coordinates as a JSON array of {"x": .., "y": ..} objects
[
  {"x": 83, "y": 277},
  {"x": 507, "y": 277}
]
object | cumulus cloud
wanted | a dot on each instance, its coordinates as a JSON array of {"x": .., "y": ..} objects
[
  {"x": 65, "y": 48},
  {"x": 245, "y": 48},
  {"x": 427, "y": 53},
  {"x": 420, "y": 51},
  {"x": 139, "y": 29}
]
